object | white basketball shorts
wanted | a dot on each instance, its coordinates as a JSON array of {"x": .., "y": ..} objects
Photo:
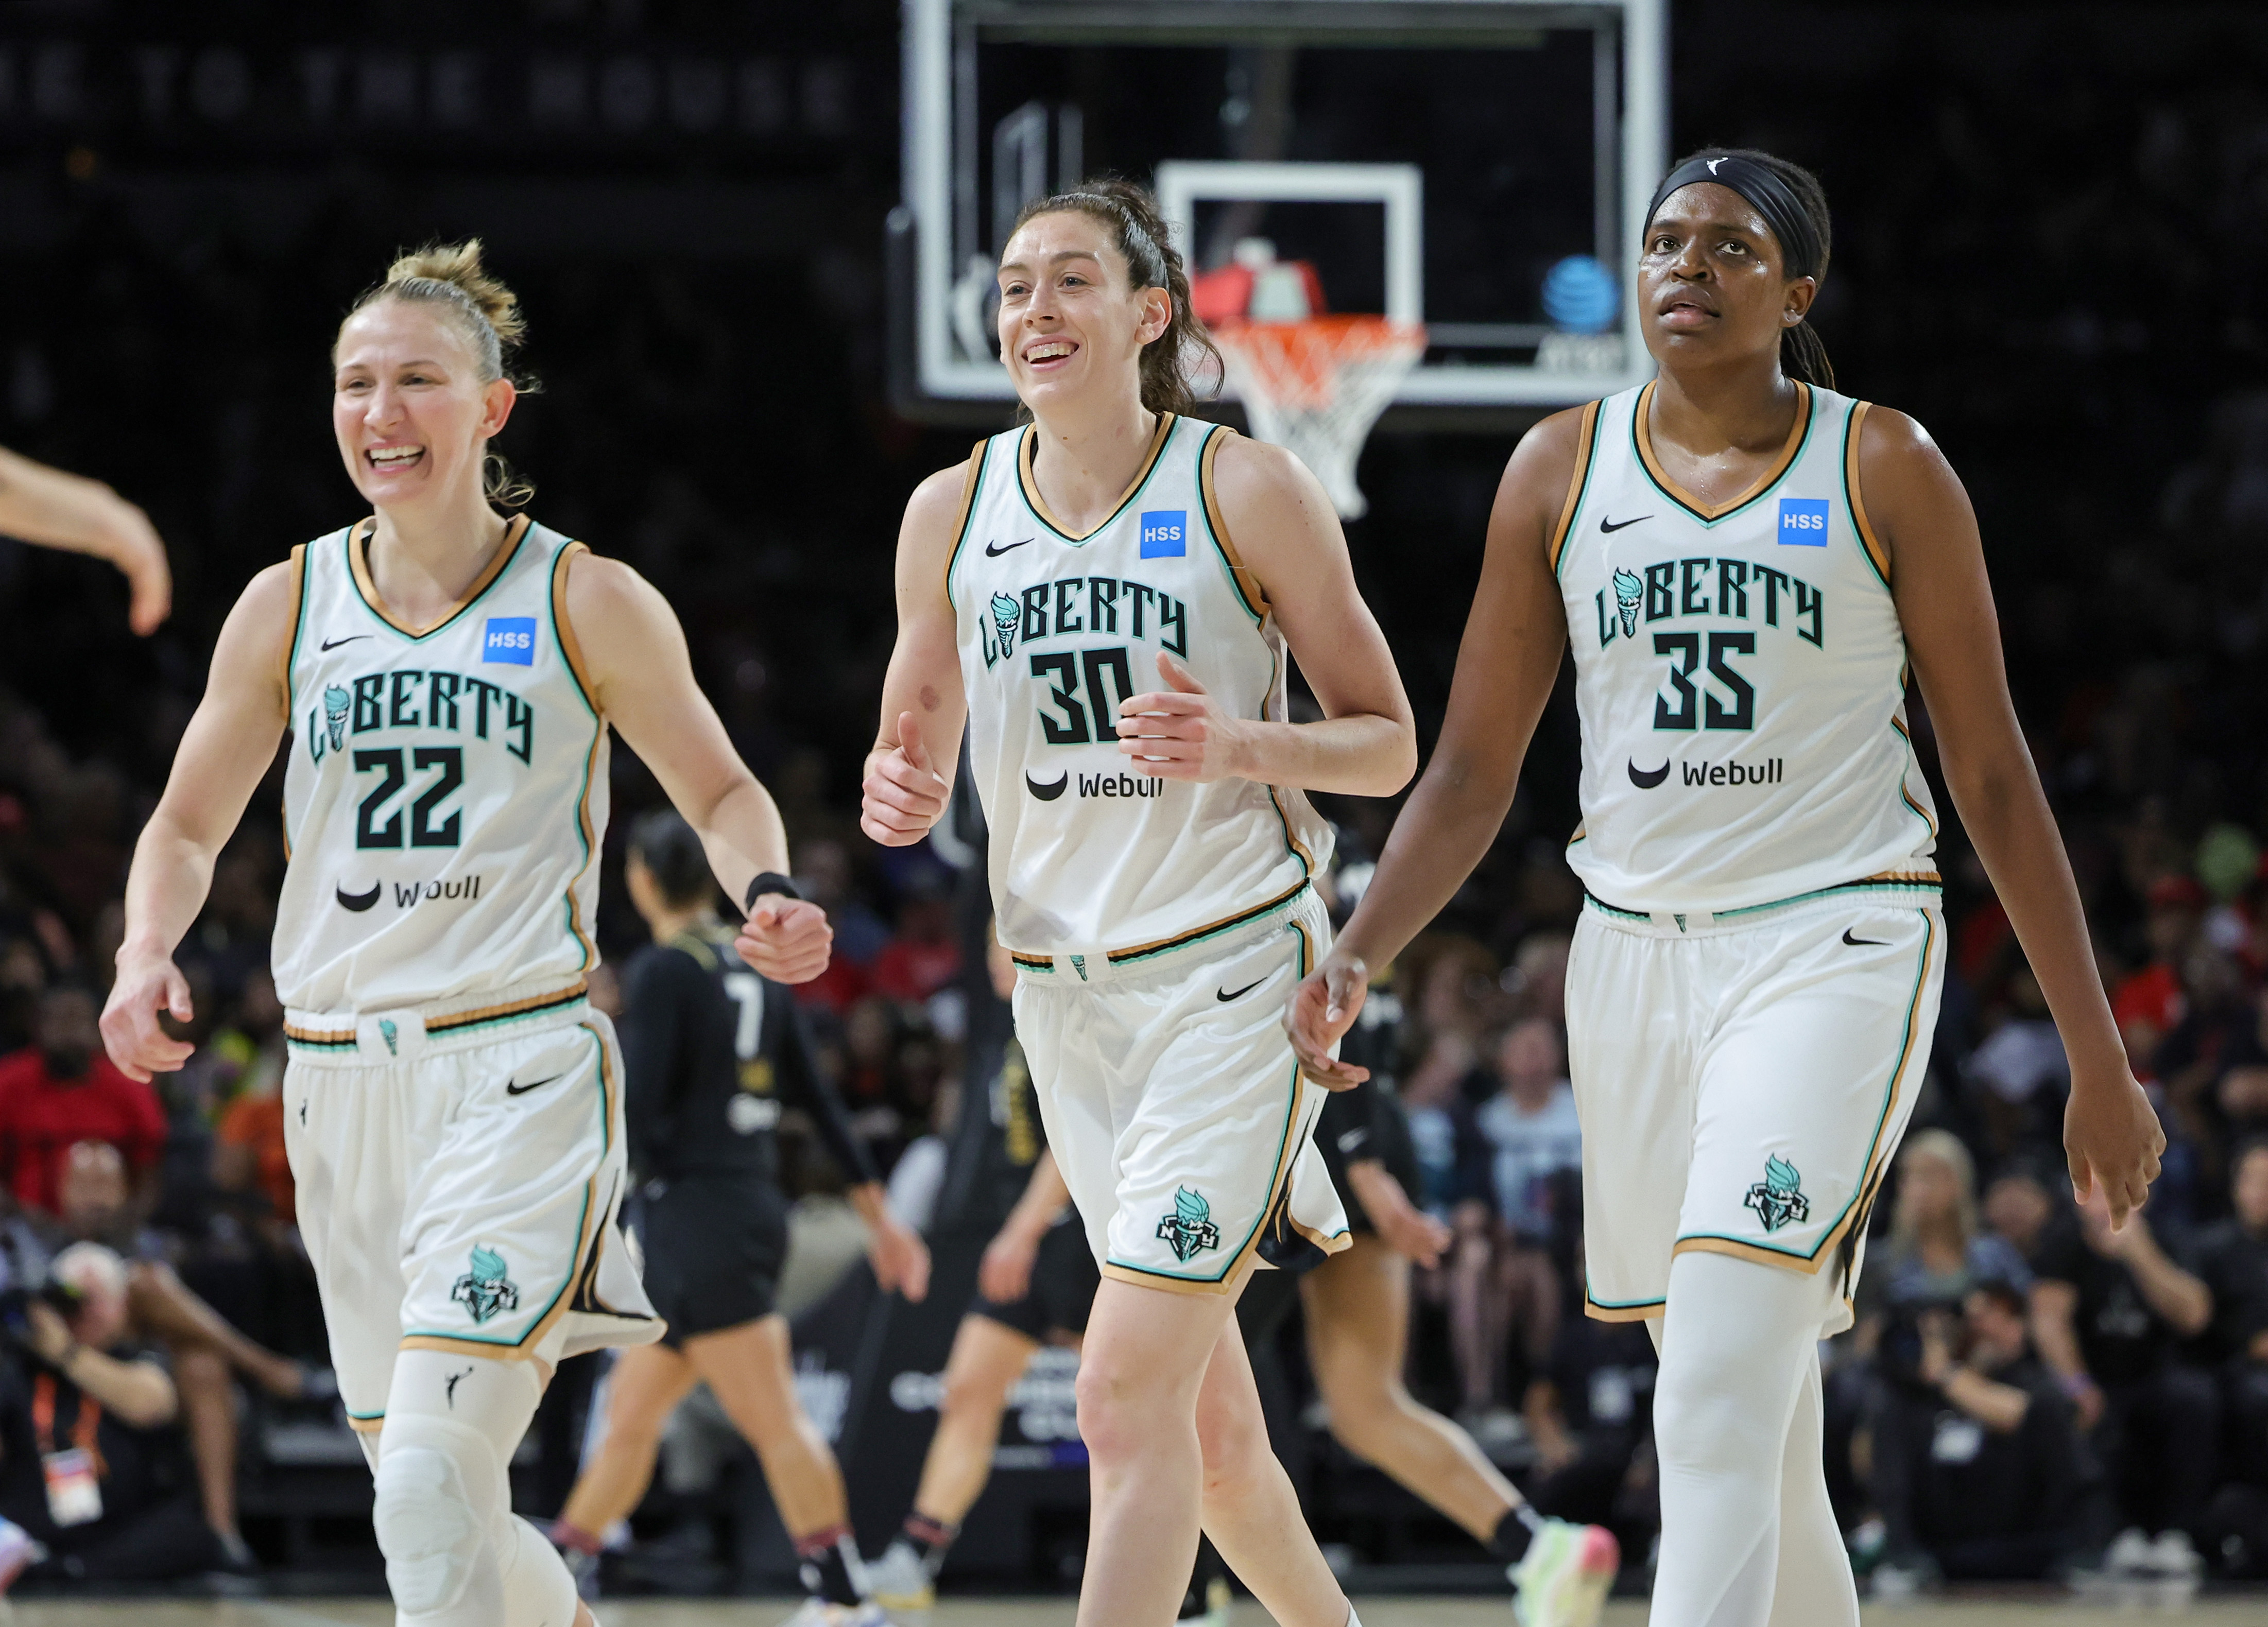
[
  {"x": 459, "y": 1185},
  {"x": 1174, "y": 1107},
  {"x": 1743, "y": 1080}
]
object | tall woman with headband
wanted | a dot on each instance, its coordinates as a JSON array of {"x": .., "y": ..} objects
[
  {"x": 1108, "y": 598},
  {"x": 1748, "y": 565},
  {"x": 449, "y": 672}
]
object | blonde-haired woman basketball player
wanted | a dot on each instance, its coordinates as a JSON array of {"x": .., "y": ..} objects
[
  {"x": 1108, "y": 599},
  {"x": 1745, "y": 562},
  {"x": 454, "y": 1106}
]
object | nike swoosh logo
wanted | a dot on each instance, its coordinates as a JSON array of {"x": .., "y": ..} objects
[
  {"x": 1224, "y": 995},
  {"x": 358, "y": 901},
  {"x": 510, "y": 1089},
  {"x": 1864, "y": 943},
  {"x": 993, "y": 550},
  {"x": 333, "y": 643},
  {"x": 1044, "y": 791},
  {"x": 1647, "y": 779},
  {"x": 1612, "y": 526}
]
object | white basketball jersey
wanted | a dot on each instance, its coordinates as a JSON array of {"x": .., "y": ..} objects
[
  {"x": 1057, "y": 627},
  {"x": 448, "y": 789},
  {"x": 1739, "y": 675}
]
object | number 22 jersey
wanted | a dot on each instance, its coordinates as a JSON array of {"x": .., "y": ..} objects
[
  {"x": 1089, "y": 854},
  {"x": 446, "y": 790}
]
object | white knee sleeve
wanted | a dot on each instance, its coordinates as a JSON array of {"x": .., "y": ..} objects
[
  {"x": 444, "y": 1506},
  {"x": 1737, "y": 1341},
  {"x": 437, "y": 1498}
]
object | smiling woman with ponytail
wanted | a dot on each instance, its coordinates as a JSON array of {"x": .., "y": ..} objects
[{"x": 1753, "y": 984}]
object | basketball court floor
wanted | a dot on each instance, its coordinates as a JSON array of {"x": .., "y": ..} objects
[{"x": 1057, "y": 1613}]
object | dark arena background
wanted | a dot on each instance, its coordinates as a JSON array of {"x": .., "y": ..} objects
[{"x": 2050, "y": 225}]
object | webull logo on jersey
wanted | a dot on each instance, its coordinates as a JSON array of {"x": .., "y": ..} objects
[
  {"x": 406, "y": 894},
  {"x": 509, "y": 638},
  {"x": 1083, "y": 608},
  {"x": 1803, "y": 522}
]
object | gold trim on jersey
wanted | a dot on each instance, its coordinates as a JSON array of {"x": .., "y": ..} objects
[
  {"x": 1904, "y": 795},
  {"x": 1642, "y": 434},
  {"x": 331, "y": 1039},
  {"x": 970, "y": 482},
  {"x": 1640, "y": 1312},
  {"x": 529, "y": 1007},
  {"x": 516, "y": 532},
  {"x": 299, "y": 615},
  {"x": 1029, "y": 444},
  {"x": 564, "y": 630},
  {"x": 1248, "y": 585},
  {"x": 1585, "y": 447},
  {"x": 1875, "y": 552},
  {"x": 1140, "y": 952}
]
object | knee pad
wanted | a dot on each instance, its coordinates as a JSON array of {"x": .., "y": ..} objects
[{"x": 436, "y": 1505}]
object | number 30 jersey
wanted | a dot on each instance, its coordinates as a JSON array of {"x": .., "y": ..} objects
[
  {"x": 1741, "y": 674},
  {"x": 446, "y": 790},
  {"x": 1090, "y": 855}
]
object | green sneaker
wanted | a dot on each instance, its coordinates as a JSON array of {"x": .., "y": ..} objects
[{"x": 1563, "y": 1581}]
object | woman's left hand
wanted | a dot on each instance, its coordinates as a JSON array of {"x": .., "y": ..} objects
[
  {"x": 1181, "y": 733},
  {"x": 787, "y": 940},
  {"x": 900, "y": 1258}
]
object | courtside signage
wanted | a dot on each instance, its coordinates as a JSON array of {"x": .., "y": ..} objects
[
  {"x": 510, "y": 638},
  {"x": 1803, "y": 522},
  {"x": 1164, "y": 534}
]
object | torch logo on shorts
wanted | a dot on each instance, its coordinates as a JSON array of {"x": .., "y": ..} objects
[
  {"x": 1777, "y": 1198},
  {"x": 1190, "y": 1229},
  {"x": 485, "y": 1290}
]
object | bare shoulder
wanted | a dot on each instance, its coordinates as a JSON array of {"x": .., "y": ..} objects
[
  {"x": 934, "y": 511},
  {"x": 1546, "y": 455},
  {"x": 1899, "y": 462},
  {"x": 1266, "y": 494},
  {"x": 598, "y": 588},
  {"x": 268, "y": 608}
]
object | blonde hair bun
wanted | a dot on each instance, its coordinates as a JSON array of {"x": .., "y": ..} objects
[{"x": 459, "y": 266}]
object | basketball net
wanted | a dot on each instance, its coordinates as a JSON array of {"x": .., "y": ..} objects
[{"x": 1316, "y": 387}]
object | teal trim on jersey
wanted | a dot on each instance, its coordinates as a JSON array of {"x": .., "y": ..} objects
[
  {"x": 1604, "y": 907},
  {"x": 590, "y": 752},
  {"x": 324, "y": 1047},
  {"x": 582, "y": 1219},
  {"x": 1290, "y": 1118},
  {"x": 1583, "y": 492},
  {"x": 1802, "y": 448},
  {"x": 1881, "y": 1119},
  {"x": 346, "y": 563},
  {"x": 365, "y": 1416},
  {"x": 1173, "y": 433},
  {"x": 1850, "y": 504},
  {"x": 967, "y": 521},
  {"x": 1204, "y": 511},
  {"x": 291, "y": 675},
  {"x": 1827, "y": 892}
]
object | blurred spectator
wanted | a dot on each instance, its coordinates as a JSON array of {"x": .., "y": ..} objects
[
  {"x": 1935, "y": 1253},
  {"x": 63, "y": 1090},
  {"x": 2107, "y": 1312},
  {"x": 1978, "y": 1469},
  {"x": 205, "y": 1351},
  {"x": 2149, "y": 1003},
  {"x": 91, "y": 1462},
  {"x": 1589, "y": 1409},
  {"x": 2022, "y": 1071},
  {"x": 2019, "y": 1207},
  {"x": 2232, "y": 1261},
  {"x": 1532, "y": 1136},
  {"x": 923, "y": 957}
]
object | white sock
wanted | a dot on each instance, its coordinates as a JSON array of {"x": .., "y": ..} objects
[{"x": 1736, "y": 1341}]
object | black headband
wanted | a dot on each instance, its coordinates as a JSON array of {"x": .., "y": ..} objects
[{"x": 1773, "y": 198}]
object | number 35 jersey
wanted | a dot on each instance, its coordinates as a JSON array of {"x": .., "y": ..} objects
[
  {"x": 446, "y": 790},
  {"x": 1741, "y": 674},
  {"x": 1057, "y": 627}
]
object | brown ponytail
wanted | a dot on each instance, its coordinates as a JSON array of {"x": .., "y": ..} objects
[
  {"x": 487, "y": 313},
  {"x": 1185, "y": 349}
]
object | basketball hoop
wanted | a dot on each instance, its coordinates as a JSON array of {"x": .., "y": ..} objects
[{"x": 1316, "y": 387}]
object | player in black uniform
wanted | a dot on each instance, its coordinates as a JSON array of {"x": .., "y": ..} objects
[
  {"x": 1357, "y": 1310},
  {"x": 712, "y": 1054},
  {"x": 1037, "y": 1279}
]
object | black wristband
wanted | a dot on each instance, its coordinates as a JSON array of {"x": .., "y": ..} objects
[{"x": 769, "y": 881}]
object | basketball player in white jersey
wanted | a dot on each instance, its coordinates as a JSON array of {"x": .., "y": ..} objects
[
  {"x": 453, "y": 1105},
  {"x": 1745, "y": 563},
  {"x": 1108, "y": 598}
]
